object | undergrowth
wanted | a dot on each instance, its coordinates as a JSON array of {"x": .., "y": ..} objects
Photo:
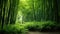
[{"x": 29, "y": 26}]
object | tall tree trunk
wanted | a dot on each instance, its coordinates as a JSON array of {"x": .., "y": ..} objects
[{"x": 56, "y": 10}]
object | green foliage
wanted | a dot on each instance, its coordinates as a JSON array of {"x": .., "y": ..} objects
[
  {"x": 30, "y": 10},
  {"x": 30, "y": 26},
  {"x": 39, "y": 26},
  {"x": 14, "y": 29},
  {"x": 37, "y": 10}
]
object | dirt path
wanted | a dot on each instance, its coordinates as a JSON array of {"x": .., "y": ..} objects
[{"x": 43, "y": 32}]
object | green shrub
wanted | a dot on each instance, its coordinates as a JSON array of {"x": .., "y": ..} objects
[
  {"x": 32, "y": 26},
  {"x": 40, "y": 26},
  {"x": 14, "y": 29}
]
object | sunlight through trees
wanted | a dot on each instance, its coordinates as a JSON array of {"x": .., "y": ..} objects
[
  {"x": 32, "y": 12},
  {"x": 38, "y": 10}
]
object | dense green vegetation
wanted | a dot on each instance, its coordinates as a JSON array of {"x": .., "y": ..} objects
[
  {"x": 21, "y": 16},
  {"x": 31, "y": 26}
]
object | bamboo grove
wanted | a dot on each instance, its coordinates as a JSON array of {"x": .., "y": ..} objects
[
  {"x": 8, "y": 11},
  {"x": 40, "y": 10},
  {"x": 32, "y": 10}
]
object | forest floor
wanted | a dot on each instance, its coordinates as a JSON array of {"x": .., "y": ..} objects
[{"x": 36, "y": 32}]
